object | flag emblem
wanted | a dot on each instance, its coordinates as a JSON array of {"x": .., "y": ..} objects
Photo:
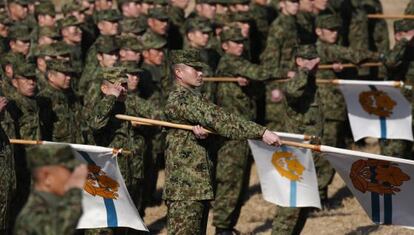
[
  {"x": 377, "y": 102},
  {"x": 288, "y": 165},
  {"x": 98, "y": 183}
]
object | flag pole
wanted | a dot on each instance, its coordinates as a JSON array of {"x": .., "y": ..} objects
[
  {"x": 380, "y": 16},
  {"x": 38, "y": 142}
]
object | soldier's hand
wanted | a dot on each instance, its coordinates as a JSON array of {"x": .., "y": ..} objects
[
  {"x": 291, "y": 74},
  {"x": 337, "y": 67},
  {"x": 276, "y": 95},
  {"x": 199, "y": 132},
  {"x": 3, "y": 103},
  {"x": 271, "y": 138},
  {"x": 77, "y": 178},
  {"x": 242, "y": 81}
]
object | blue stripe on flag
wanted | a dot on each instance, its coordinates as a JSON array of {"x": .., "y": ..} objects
[
  {"x": 383, "y": 121},
  {"x": 293, "y": 186},
  {"x": 383, "y": 124},
  {"x": 111, "y": 217},
  {"x": 375, "y": 202},
  {"x": 387, "y": 208}
]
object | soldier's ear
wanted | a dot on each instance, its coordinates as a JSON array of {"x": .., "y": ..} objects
[
  {"x": 318, "y": 31},
  {"x": 225, "y": 46},
  {"x": 9, "y": 70},
  {"x": 99, "y": 57}
]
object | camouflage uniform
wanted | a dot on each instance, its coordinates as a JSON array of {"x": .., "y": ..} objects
[
  {"x": 282, "y": 38},
  {"x": 7, "y": 183},
  {"x": 409, "y": 10},
  {"x": 233, "y": 155},
  {"x": 303, "y": 115},
  {"x": 400, "y": 67},
  {"x": 47, "y": 213},
  {"x": 188, "y": 184}
]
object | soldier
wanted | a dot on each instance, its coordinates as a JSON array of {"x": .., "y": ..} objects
[
  {"x": 58, "y": 180},
  {"x": 205, "y": 9},
  {"x": 332, "y": 102},
  {"x": 7, "y": 176},
  {"x": 400, "y": 68},
  {"x": 4, "y": 32},
  {"x": 103, "y": 5},
  {"x": 176, "y": 15},
  {"x": 72, "y": 36},
  {"x": 63, "y": 107},
  {"x": 232, "y": 157},
  {"x": 109, "y": 131},
  {"x": 188, "y": 186},
  {"x": 158, "y": 21},
  {"x": 134, "y": 21},
  {"x": 130, "y": 50},
  {"x": 19, "y": 12},
  {"x": 283, "y": 37},
  {"x": 45, "y": 14},
  {"x": 21, "y": 121},
  {"x": 46, "y": 35},
  {"x": 303, "y": 115},
  {"x": 409, "y": 10},
  {"x": 19, "y": 36},
  {"x": 306, "y": 22}
]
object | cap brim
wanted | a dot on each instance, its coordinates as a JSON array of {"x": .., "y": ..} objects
[{"x": 197, "y": 65}]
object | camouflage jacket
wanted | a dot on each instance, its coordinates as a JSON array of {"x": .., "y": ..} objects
[
  {"x": 230, "y": 96},
  {"x": 304, "y": 114},
  {"x": 64, "y": 120},
  {"x": 410, "y": 8},
  {"x": 188, "y": 164},
  {"x": 47, "y": 214},
  {"x": 306, "y": 27},
  {"x": 108, "y": 131},
  {"x": 400, "y": 62},
  {"x": 7, "y": 180},
  {"x": 155, "y": 83}
]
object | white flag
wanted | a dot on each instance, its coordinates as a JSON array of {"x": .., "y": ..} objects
[
  {"x": 377, "y": 109},
  {"x": 384, "y": 186},
  {"x": 287, "y": 175},
  {"x": 105, "y": 200}
]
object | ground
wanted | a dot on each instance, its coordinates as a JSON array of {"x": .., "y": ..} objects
[{"x": 345, "y": 216}]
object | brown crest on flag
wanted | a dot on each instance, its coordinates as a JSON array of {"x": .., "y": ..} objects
[
  {"x": 98, "y": 183},
  {"x": 288, "y": 165},
  {"x": 377, "y": 103}
]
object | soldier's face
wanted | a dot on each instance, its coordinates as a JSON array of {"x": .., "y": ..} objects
[
  {"x": 46, "y": 20},
  {"x": 79, "y": 16},
  {"x": 320, "y": 5},
  {"x": 59, "y": 80},
  {"x": 18, "y": 11},
  {"x": 25, "y": 86},
  {"x": 198, "y": 39},
  {"x": 103, "y": 5},
  {"x": 189, "y": 76},
  {"x": 56, "y": 179},
  {"x": 20, "y": 46},
  {"x": 133, "y": 81},
  {"x": 289, "y": 8},
  {"x": 129, "y": 55},
  {"x": 239, "y": 8},
  {"x": 154, "y": 56},
  {"x": 4, "y": 30},
  {"x": 108, "y": 28},
  {"x": 72, "y": 34},
  {"x": 328, "y": 35},
  {"x": 158, "y": 26},
  {"x": 107, "y": 60},
  {"x": 206, "y": 10},
  {"x": 306, "y": 5},
  {"x": 245, "y": 28},
  {"x": 130, "y": 9},
  {"x": 145, "y": 7},
  {"x": 233, "y": 48}
]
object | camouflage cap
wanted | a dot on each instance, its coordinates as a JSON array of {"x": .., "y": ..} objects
[
  {"x": 51, "y": 155},
  {"x": 157, "y": 2},
  {"x": 130, "y": 43},
  {"x": 107, "y": 15},
  {"x": 159, "y": 13},
  {"x": 328, "y": 21},
  {"x": 106, "y": 45},
  {"x": 19, "y": 32},
  {"x": 233, "y": 2},
  {"x": 232, "y": 34},
  {"x": 71, "y": 7},
  {"x": 51, "y": 32},
  {"x": 12, "y": 58},
  {"x": 121, "y": 2},
  {"x": 403, "y": 25},
  {"x": 24, "y": 69},
  {"x": 20, "y": 2},
  {"x": 5, "y": 19},
  {"x": 240, "y": 17},
  {"x": 198, "y": 24},
  {"x": 207, "y": 1},
  {"x": 114, "y": 74},
  {"x": 54, "y": 49},
  {"x": 62, "y": 66},
  {"x": 68, "y": 22},
  {"x": 306, "y": 51},
  {"x": 153, "y": 41},
  {"x": 45, "y": 8},
  {"x": 132, "y": 69},
  {"x": 133, "y": 25},
  {"x": 190, "y": 57}
]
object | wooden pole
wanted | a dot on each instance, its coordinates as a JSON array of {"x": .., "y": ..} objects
[
  {"x": 220, "y": 79},
  {"x": 366, "y": 65},
  {"x": 380, "y": 16},
  {"x": 157, "y": 122},
  {"x": 37, "y": 142},
  {"x": 316, "y": 148}
]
